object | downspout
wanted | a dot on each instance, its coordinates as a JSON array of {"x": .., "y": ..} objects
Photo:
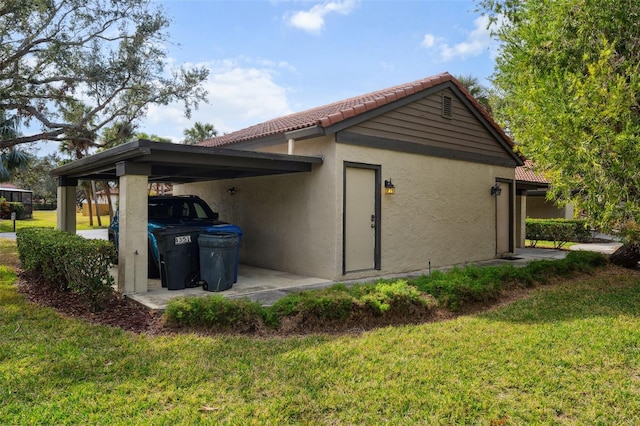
[{"x": 291, "y": 146}]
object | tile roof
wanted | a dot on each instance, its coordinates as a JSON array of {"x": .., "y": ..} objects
[
  {"x": 526, "y": 174},
  {"x": 328, "y": 115}
]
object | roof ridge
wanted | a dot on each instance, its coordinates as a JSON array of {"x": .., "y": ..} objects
[{"x": 335, "y": 112}]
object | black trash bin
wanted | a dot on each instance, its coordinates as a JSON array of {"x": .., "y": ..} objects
[
  {"x": 179, "y": 257},
  {"x": 218, "y": 259}
]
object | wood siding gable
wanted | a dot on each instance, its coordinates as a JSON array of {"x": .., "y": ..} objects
[{"x": 420, "y": 127}]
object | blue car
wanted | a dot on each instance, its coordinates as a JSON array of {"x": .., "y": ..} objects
[{"x": 188, "y": 210}]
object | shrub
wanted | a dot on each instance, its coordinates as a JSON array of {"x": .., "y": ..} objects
[
  {"x": 560, "y": 231},
  {"x": 6, "y": 208},
  {"x": 68, "y": 261},
  {"x": 333, "y": 303},
  {"x": 460, "y": 287},
  {"x": 215, "y": 312}
]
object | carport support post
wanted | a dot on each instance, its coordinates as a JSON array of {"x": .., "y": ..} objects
[
  {"x": 521, "y": 216},
  {"x": 66, "y": 210},
  {"x": 132, "y": 234}
]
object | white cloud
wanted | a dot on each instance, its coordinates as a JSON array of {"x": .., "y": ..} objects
[
  {"x": 242, "y": 92},
  {"x": 429, "y": 40},
  {"x": 313, "y": 20},
  {"x": 477, "y": 42}
]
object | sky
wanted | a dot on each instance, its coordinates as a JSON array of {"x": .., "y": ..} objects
[{"x": 269, "y": 58}]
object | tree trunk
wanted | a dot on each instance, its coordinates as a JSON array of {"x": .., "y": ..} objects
[
  {"x": 87, "y": 192},
  {"x": 627, "y": 256},
  {"x": 107, "y": 193},
  {"x": 95, "y": 197}
]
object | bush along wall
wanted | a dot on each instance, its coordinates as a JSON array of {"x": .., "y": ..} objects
[
  {"x": 560, "y": 231},
  {"x": 69, "y": 261},
  {"x": 370, "y": 305}
]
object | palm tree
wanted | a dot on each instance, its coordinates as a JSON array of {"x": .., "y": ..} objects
[
  {"x": 78, "y": 146},
  {"x": 199, "y": 132},
  {"x": 10, "y": 158},
  {"x": 476, "y": 89}
]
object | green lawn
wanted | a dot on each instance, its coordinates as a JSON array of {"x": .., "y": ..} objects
[
  {"x": 568, "y": 354},
  {"x": 549, "y": 244},
  {"x": 47, "y": 219}
]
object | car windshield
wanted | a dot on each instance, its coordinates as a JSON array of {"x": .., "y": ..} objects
[{"x": 178, "y": 209}]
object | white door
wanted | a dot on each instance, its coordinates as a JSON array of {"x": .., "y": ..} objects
[{"x": 360, "y": 219}]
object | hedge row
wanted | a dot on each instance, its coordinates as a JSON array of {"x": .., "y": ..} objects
[
  {"x": 69, "y": 261},
  {"x": 560, "y": 231},
  {"x": 455, "y": 290},
  {"x": 337, "y": 304}
]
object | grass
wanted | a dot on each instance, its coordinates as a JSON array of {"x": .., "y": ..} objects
[
  {"x": 48, "y": 219},
  {"x": 549, "y": 244},
  {"x": 568, "y": 354}
]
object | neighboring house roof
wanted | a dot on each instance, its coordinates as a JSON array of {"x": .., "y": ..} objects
[
  {"x": 337, "y": 112},
  {"x": 525, "y": 173},
  {"x": 12, "y": 187}
]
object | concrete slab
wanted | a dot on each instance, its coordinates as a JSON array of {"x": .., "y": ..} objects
[
  {"x": 266, "y": 286},
  {"x": 256, "y": 284}
]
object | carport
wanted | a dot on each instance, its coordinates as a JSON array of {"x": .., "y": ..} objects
[{"x": 136, "y": 164}]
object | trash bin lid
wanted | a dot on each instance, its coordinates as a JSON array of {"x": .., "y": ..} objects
[{"x": 219, "y": 239}]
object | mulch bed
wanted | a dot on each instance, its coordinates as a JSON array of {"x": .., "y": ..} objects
[
  {"x": 117, "y": 311},
  {"x": 124, "y": 313}
]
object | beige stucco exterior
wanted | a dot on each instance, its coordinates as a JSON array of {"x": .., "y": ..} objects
[
  {"x": 540, "y": 208},
  {"x": 442, "y": 212}
]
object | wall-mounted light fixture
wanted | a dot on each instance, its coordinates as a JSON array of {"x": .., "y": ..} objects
[
  {"x": 496, "y": 189},
  {"x": 389, "y": 187},
  {"x": 231, "y": 190}
]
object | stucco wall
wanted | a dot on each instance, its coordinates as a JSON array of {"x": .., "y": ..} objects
[
  {"x": 442, "y": 211},
  {"x": 288, "y": 221},
  {"x": 540, "y": 208}
]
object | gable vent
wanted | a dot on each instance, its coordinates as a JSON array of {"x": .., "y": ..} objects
[{"x": 447, "y": 109}]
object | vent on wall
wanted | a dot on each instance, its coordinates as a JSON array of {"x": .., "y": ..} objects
[{"x": 447, "y": 110}]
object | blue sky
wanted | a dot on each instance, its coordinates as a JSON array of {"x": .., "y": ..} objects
[{"x": 269, "y": 58}]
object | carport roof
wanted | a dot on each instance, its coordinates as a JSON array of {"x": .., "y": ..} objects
[{"x": 167, "y": 162}]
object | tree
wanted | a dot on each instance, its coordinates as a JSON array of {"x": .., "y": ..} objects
[
  {"x": 199, "y": 132},
  {"x": 108, "y": 54},
  {"x": 11, "y": 159},
  {"x": 476, "y": 89},
  {"x": 36, "y": 177},
  {"x": 568, "y": 75}
]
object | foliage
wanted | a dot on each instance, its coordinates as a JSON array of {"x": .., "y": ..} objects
[
  {"x": 37, "y": 177},
  {"x": 11, "y": 159},
  {"x": 559, "y": 231},
  {"x": 6, "y": 208},
  {"x": 477, "y": 90},
  {"x": 567, "y": 74},
  {"x": 199, "y": 132},
  {"x": 214, "y": 312},
  {"x": 108, "y": 54},
  {"x": 461, "y": 287},
  {"x": 68, "y": 261},
  {"x": 335, "y": 303}
]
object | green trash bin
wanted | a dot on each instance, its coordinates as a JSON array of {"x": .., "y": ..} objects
[{"x": 218, "y": 259}]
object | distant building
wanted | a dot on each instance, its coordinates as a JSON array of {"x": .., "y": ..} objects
[{"x": 14, "y": 195}]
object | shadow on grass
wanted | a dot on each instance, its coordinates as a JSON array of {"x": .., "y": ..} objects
[{"x": 612, "y": 292}]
